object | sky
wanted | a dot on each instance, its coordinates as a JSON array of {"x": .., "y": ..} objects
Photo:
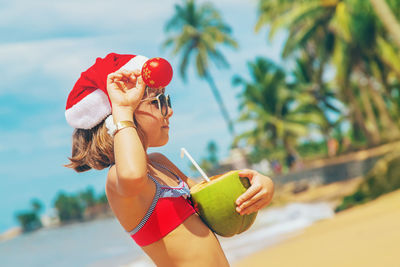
[{"x": 45, "y": 45}]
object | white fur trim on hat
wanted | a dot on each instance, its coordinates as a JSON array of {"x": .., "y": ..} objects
[
  {"x": 90, "y": 111},
  {"x": 135, "y": 63}
]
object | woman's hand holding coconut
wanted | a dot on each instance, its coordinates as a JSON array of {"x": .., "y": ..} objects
[{"x": 258, "y": 195}]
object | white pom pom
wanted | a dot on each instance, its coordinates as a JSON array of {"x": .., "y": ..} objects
[{"x": 110, "y": 125}]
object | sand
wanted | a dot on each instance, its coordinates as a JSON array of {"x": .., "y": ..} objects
[{"x": 366, "y": 235}]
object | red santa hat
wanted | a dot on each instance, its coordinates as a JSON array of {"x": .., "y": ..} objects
[{"x": 88, "y": 103}]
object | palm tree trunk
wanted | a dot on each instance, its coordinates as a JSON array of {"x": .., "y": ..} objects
[
  {"x": 386, "y": 93},
  {"x": 390, "y": 130},
  {"x": 373, "y": 138},
  {"x": 220, "y": 102},
  {"x": 371, "y": 121},
  {"x": 388, "y": 19}
]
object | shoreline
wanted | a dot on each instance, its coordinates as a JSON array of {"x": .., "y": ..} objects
[
  {"x": 10, "y": 233},
  {"x": 16, "y": 231},
  {"x": 366, "y": 235}
]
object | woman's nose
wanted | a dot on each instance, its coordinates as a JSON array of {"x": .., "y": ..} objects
[{"x": 170, "y": 112}]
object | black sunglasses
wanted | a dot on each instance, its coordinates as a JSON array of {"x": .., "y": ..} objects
[{"x": 164, "y": 101}]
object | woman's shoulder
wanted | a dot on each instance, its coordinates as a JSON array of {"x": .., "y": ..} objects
[
  {"x": 111, "y": 180},
  {"x": 162, "y": 159},
  {"x": 112, "y": 185}
]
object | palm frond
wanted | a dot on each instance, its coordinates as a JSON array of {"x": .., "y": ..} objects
[{"x": 294, "y": 15}]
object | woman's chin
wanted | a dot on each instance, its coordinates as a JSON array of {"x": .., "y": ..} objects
[
  {"x": 161, "y": 142},
  {"x": 166, "y": 141}
]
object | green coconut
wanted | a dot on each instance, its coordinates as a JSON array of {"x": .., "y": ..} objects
[{"x": 215, "y": 203}]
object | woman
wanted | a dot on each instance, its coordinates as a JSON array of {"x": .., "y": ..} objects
[{"x": 148, "y": 194}]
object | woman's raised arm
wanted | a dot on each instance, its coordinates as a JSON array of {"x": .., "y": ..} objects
[{"x": 126, "y": 90}]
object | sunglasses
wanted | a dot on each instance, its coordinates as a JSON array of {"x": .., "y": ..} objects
[{"x": 164, "y": 101}]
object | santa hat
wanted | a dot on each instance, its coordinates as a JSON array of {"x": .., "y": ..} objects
[{"x": 88, "y": 103}]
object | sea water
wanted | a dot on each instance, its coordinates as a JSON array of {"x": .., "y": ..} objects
[
  {"x": 104, "y": 243},
  {"x": 96, "y": 243}
]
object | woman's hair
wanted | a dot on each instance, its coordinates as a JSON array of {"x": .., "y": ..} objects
[{"x": 94, "y": 148}]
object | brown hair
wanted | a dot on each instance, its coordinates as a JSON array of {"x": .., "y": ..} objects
[{"x": 94, "y": 148}]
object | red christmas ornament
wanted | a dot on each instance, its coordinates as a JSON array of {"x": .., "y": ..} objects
[{"x": 157, "y": 73}]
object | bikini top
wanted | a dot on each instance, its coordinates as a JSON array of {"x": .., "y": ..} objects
[{"x": 170, "y": 207}]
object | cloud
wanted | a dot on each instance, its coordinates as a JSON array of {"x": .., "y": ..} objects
[
  {"x": 46, "y": 69},
  {"x": 47, "y": 19},
  {"x": 29, "y": 130},
  {"x": 27, "y": 142},
  {"x": 36, "y": 20},
  {"x": 56, "y": 136}
]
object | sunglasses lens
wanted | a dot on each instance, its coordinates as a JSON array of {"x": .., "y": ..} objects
[
  {"x": 169, "y": 101},
  {"x": 163, "y": 104}
]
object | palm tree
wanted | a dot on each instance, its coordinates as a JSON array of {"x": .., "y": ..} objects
[
  {"x": 282, "y": 111},
  {"x": 343, "y": 33},
  {"x": 37, "y": 205},
  {"x": 210, "y": 163},
  {"x": 384, "y": 13},
  {"x": 323, "y": 99},
  {"x": 88, "y": 197},
  {"x": 198, "y": 31},
  {"x": 30, "y": 220}
]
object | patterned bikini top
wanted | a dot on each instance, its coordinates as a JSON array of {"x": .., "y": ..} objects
[
  {"x": 170, "y": 207},
  {"x": 170, "y": 191}
]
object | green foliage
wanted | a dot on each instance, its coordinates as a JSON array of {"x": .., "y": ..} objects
[
  {"x": 72, "y": 207},
  {"x": 37, "y": 206},
  {"x": 346, "y": 36},
  {"x": 210, "y": 162},
  {"x": 196, "y": 31},
  {"x": 102, "y": 199},
  {"x": 212, "y": 150},
  {"x": 312, "y": 150},
  {"x": 88, "y": 197},
  {"x": 357, "y": 198},
  {"x": 283, "y": 110},
  {"x": 382, "y": 179},
  {"x": 69, "y": 208},
  {"x": 30, "y": 220}
]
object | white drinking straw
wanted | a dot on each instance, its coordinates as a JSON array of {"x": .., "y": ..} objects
[{"x": 184, "y": 151}]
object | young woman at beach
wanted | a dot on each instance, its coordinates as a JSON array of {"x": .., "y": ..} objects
[{"x": 148, "y": 194}]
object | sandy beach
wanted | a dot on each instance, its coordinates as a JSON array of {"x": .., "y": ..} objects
[{"x": 366, "y": 235}]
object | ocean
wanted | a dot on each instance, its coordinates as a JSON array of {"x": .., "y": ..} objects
[{"x": 104, "y": 243}]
